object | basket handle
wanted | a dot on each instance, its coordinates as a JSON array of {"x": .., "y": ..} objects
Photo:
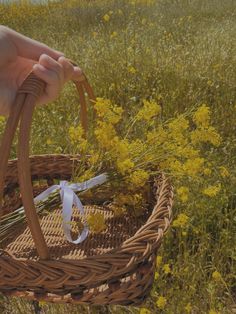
[{"x": 24, "y": 105}]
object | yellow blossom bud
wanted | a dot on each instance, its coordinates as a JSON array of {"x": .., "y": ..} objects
[
  {"x": 96, "y": 222},
  {"x": 149, "y": 110},
  {"x": 166, "y": 269},
  {"x": 212, "y": 190},
  {"x": 132, "y": 69},
  {"x": 216, "y": 276},
  {"x": 181, "y": 221},
  {"x": 158, "y": 260},
  {"x": 188, "y": 308},
  {"x": 202, "y": 116},
  {"x": 161, "y": 302},
  {"x": 183, "y": 193},
  {"x": 157, "y": 275},
  {"x": 138, "y": 178},
  {"x": 143, "y": 310},
  {"x": 224, "y": 172},
  {"x": 207, "y": 171},
  {"x": 106, "y": 17},
  {"x": 114, "y": 34},
  {"x": 125, "y": 166}
]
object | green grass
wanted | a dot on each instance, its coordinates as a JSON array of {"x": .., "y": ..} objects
[{"x": 183, "y": 54}]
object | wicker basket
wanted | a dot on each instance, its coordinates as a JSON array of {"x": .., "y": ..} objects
[{"x": 115, "y": 266}]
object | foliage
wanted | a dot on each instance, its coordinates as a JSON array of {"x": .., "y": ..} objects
[{"x": 154, "y": 64}]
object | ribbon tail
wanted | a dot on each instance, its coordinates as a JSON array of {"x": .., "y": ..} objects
[
  {"x": 67, "y": 202},
  {"x": 85, "y": 231},
  {"x": 98, "y": 180}
]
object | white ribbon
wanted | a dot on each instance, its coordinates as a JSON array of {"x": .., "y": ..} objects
[{"x": 69, "y": 198}]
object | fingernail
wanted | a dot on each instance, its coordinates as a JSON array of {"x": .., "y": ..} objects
[{"x": 38, "y": 67}]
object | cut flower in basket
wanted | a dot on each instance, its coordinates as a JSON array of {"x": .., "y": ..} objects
[{"x": 132, "y": 151}]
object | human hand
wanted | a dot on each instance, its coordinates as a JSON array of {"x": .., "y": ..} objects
[{"x": 18, "y": 56}]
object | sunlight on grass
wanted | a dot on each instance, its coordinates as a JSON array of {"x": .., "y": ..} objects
[{"x": 182, "y": 55}]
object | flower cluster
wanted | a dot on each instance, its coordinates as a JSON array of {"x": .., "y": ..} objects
[{"x": 131, "y": 156}]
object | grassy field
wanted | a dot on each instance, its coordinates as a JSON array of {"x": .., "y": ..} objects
[{"x": 181, "y": 53}]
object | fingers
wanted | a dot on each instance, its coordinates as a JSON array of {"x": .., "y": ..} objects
[
  {"x": 68, "y": 68},
  {"x": 52, "y": 73},
  {"x": 55, "y": 74},
  {"x": 70, "y": 72}
]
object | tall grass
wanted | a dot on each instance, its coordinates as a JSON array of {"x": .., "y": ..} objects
[{"x": 182, "y": 53}]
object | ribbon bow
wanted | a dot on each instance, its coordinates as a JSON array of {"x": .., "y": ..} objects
[{"x": 69, "y": 198}]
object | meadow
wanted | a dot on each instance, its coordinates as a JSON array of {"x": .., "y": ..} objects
[{"x": 181, "y": 53}]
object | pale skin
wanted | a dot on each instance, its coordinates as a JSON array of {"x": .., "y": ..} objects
[{"x": 19, "y": 55}]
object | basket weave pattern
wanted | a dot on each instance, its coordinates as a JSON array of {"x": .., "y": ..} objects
[{"x": 115, "y": 267}]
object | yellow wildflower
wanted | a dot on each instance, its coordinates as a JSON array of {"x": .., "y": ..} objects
[
  {"x": 187, "y": 152},
  {"x": 173, "y": 164},
  {"x": 193, "y": 166},
  {"x": 137, "y": 200},
  {"x": 107, "y": 111},
  {"x": 120, "y": 150},
  {"x": 188, "y": 308},
  {"x": 132, "y": 69},
  {"x": 216, "y": 276},
  {"x": 158, "y": 260},
  {"x": 114, "y": 34},
  {"x": 149, "y": 110},
  {"x": 138, "y": 178},
  {"x": 166, "y": 269},
  {"x": 118, "y": 210},
  {"x": 158, "y": 136},
  {"x": 96, "y": 222},
  {"x": 125, "y": 166},
  {"x": 212, "y": 190},
  {"x": 202, "y": 116},
  {"x": 136, "y": 147},
  {"x": 207, "y": 171},
  {"x": 206, "y": 135},
  {"x": 183, "y": 193},
  {"x": 143, "y": 310},
  {"x": 49, "y": 141},
  {"x": 114, "y": 115},
  {"x": 161, "y": 302},
  {"x": 93, "y": 159},
  {"x": 106, "y": 17},
  {"x": 102, "y": 106},
  {"x": 157, "y": 275},
  {"x": 213, "y": 312},
  {"x": 224, "y": 172},
  {"x": 179, "y": 124},
  {"x": 106, "y": 135},
  {"x": 76, "y": 133},
  {"x": 181, "y": 221}
]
